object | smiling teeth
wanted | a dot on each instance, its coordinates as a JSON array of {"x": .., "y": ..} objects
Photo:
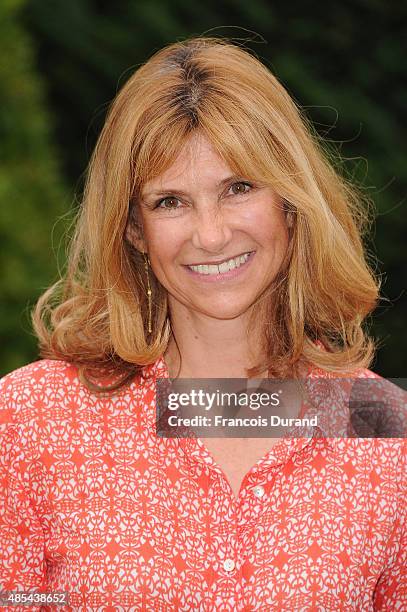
[{"x": 223, "y": 267}]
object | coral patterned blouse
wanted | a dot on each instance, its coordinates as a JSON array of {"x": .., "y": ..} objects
[{"x": 98, "y": 505}]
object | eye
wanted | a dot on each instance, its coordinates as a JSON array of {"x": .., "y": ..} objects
[
  {"x": 243, "y": 185},
  {"x": 167, "y": 199}
]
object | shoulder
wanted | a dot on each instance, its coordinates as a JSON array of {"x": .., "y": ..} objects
[
  {"x": 376, "y": 409},
  {"x": 27, "y": 398},
  {"x": 316, "y": 372},
  {"x": 379, "y": 405},
  {"x": 52, "y": 389},
  {"x": 365, "y": 373},
  {"x": 35, "y": 388},
  {"x": 42, "y": 370}
]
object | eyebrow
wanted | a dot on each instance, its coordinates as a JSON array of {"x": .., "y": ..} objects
[{"x": 228, "y": 179}]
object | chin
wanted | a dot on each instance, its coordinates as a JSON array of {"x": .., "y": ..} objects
[{"x": 225, "y": 313}]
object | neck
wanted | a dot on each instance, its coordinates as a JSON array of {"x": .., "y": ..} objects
[{"x": 210, "y": 348}]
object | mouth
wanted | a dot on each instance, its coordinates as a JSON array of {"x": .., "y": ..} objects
[{"x": 226, "y": 268}]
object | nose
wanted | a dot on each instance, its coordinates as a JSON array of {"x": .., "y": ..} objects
[{"x": 211, "y": 231}]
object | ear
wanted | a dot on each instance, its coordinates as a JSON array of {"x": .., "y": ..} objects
[
  {"x": 289, "y": 214},
  {"x": 134, "y": 233},
  {"x": 289, "y": 219}
]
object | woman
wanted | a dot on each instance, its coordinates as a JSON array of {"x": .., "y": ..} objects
[{"x": 214, "y": 241}]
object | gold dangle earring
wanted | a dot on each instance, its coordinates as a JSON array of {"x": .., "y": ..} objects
[{"x": 146, "y": 264}]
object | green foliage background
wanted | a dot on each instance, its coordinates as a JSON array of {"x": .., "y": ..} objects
[{"x": 63, "y": 62}]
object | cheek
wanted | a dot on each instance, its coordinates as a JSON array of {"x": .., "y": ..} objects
[
  {"x": 267, "y": 222},
  {"x": 273, "y": 230},
  {"x": 163, "y": 252},
  {"x": 160, "y": 242}
]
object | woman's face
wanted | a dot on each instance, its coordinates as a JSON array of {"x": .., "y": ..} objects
[{"x": 197, "y": 213}]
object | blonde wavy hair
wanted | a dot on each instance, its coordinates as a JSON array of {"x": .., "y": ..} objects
[{"x": 96, "y": 315}]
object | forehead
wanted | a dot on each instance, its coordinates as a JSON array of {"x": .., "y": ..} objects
[{"x": 197, "y": 160}]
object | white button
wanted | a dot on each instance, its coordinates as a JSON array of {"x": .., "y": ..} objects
[
  {"x": 258, "y": 491},
  {"x": 228, "y": 565}
]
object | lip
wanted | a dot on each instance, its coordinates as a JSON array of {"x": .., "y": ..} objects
[
  {"x": 217, "y": 263},
  {"x": 216, "y": 278}
]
